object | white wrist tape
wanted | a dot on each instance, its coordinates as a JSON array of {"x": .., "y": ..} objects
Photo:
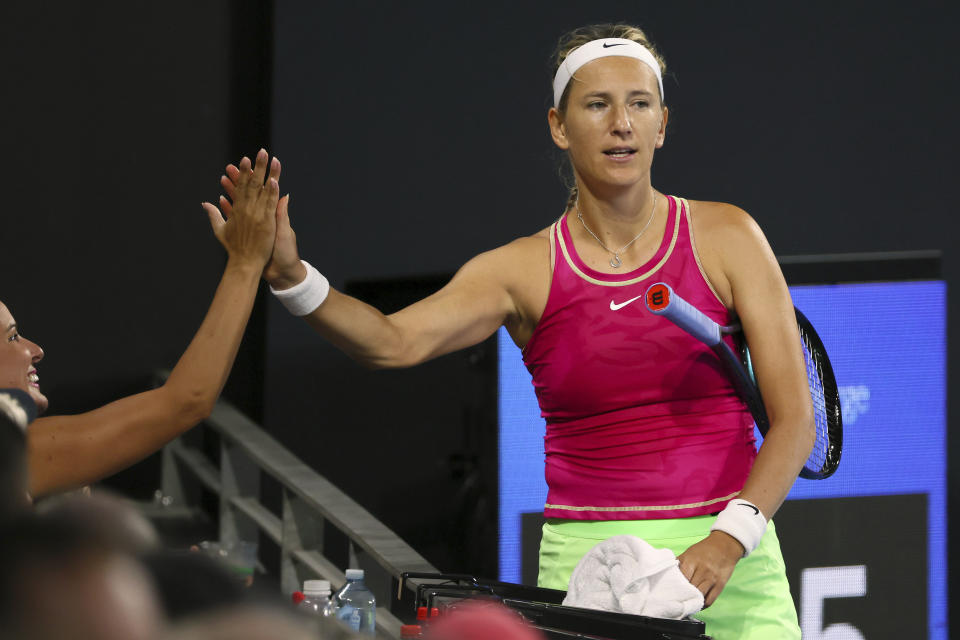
[
  {"x": 742, "y": 520},
  {"x": 305, "y": 296}
]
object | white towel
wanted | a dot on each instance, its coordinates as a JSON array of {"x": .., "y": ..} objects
[{"x": 627, "y": 575}]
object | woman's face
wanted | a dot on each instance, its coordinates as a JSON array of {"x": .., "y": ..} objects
[
  {"x": 613, "y": 121},
  {"x": 18, "y": 357}
]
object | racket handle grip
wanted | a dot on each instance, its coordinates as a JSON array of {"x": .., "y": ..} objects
[{"x": 663, "y": 301}]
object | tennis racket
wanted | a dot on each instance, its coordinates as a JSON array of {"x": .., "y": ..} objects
[{"x": 825, "y": 457}]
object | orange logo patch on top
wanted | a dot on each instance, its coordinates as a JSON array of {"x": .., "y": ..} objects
[{"x": 658, "y": 297}]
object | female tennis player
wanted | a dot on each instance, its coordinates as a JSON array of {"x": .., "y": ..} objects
[
  {"x": 66, "y": 452},
  {"x": 645, "y": 434}
]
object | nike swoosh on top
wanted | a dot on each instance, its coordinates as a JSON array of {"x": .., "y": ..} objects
[
  {"x": 616, "y": 307},
  {"x": 750, "y": 506},
  {"x": 615, "y": 44}
]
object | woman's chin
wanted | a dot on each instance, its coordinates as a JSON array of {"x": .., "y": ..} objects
[{"x": 40, "y": 400}]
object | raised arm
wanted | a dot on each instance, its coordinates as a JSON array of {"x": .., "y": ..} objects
[
  {"x": 69, "y": 451},
  {"x": 748, "y": 279},
  {"x": 467, "y": 310}
]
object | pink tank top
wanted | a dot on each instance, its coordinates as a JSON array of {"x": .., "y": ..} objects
[{"x": 642, "y": 422}]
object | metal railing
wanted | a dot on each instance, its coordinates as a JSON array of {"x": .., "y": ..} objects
[{"x": 308, "y": 502}]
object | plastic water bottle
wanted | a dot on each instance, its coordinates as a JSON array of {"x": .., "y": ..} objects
[
  {"x": 316, "y": 595},
  {"x": 355, "y": 605}
]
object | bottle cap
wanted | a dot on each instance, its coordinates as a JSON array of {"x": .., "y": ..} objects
[
  {"x": 410, "y": 631},
  {"x": 421, "y": 613},
  {"x": 316, "y": 587},
  {"x": 354, "y": 574},
  {"x": 297, "y": 597}
]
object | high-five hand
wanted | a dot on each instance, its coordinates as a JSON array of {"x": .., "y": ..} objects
[
  {"x": 246, "y": 223},
  {"x": 284, "y": 269}
]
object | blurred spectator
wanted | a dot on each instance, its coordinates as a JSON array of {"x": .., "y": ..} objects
[
  {"x": 17, "y": 409},
  {"x": 63, "y": 582},
  {"x": 190, "y": 583},
  {"x": 106, "y": 516},
  {"x": 249, "y": 623},
  {"x": 482, "y": 620}
]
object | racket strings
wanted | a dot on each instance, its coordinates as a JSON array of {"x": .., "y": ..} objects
[
  {"x": 825, "y": 457},
  {"x": 819, "y": 454}
]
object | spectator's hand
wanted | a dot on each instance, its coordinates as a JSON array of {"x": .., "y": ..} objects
[
  {"x": 284, "y": 269},
  {"x": 246, "y": 223}
]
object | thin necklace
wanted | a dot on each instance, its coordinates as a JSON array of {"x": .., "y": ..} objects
[{"x": 615, "y": 261}]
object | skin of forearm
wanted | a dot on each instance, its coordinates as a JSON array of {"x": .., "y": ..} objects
[
  {"x": 781, "y": 457},
  {"x": 359, "y": 330},
  {"x": 201, "y": 372},
  {"x": 69, "y": 451}
]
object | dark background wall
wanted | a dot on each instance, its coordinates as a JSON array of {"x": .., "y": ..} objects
[{"x": 413, "y": 137}]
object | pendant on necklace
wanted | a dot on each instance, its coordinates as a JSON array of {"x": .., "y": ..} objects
[{"x": 615, "y": 261}]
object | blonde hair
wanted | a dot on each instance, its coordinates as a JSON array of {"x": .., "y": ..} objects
[{"x": 581, "y": 36}]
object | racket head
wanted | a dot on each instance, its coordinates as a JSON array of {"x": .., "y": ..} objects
[{"x": 827, "y": 415}]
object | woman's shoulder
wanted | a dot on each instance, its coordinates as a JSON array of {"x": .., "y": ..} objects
[
  {"x": 718, "y": 213},
  {"x": 728, "y": 241},
  {"x": 722, "y": 221},
  {"x": 536, "y": 239},
  {"x": 514, "y": 259},
  {"x": 525, "y": 247}
]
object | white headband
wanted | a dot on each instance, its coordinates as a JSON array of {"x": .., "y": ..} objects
[{"x": 601, "y": 49}]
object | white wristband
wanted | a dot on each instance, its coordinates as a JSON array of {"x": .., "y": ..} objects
[
  {"x": 742, "y": 520},
  {"x": 305, "y": 296}
]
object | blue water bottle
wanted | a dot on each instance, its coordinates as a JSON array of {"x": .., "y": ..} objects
[{"x": 355, "y": 604}]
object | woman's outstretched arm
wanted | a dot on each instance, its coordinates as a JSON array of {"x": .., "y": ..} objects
[
  {"x": 69, "y": 451},
  {"x": 480, "y": 298}
]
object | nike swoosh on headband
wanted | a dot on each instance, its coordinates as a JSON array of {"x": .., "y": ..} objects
[
  {"x": 615, "y": 44},
  {"x": 616, "y": 307}
]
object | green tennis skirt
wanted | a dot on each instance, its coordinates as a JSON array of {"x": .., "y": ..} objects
[{"x": 755, "y": 603}]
